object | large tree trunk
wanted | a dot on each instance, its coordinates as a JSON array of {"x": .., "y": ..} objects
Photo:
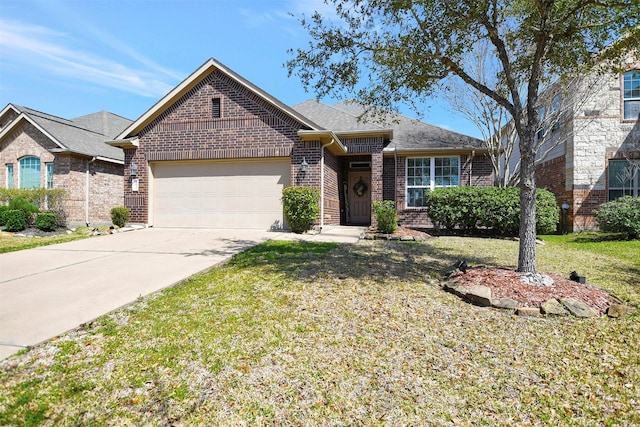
[{"x": 527, "y": 251}]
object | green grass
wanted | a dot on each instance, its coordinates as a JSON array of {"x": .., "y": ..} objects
[
  {"x": 12, "y": 243},
  {"x": 299, "y": 333}
]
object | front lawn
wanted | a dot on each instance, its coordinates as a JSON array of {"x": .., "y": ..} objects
[
  {"x": 11, "y": 242},
  {"x": 319, "y": 334}
]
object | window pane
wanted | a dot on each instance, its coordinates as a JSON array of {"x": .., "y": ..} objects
[
  {"x": 415, "y": 197},
  {"x": 10, "y": 175},
  {"x": 446, "y": 172},
  {"x": 30, "y": 172},
  {"x": 632, "y": 84},
  {"x": 620, "y": 174},
  {"x": 631, "y": 110},
  {"x": 615, "y": 194},
  {"x": 49, "y": 175}
]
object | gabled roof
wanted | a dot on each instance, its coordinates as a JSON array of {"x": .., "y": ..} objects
[
  {"x": 103, "y": 122},
  {"x": 204, "y": 70},
  {"x": 409, "y": 135},
  {"x": 86, "y": 136}
]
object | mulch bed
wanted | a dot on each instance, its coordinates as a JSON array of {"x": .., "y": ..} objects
[{"x": 505, "y": 283}]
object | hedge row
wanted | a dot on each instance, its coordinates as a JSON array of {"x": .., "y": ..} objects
[
  {"x": 479, "y": 208},
  {"x": 43, "y": 199}
]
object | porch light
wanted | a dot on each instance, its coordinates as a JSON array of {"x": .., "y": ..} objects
[{"x": 304, "y": 165}]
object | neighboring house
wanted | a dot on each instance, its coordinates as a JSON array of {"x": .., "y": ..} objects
[
  {"x": 38, "y": 150},
  {"x": 217, "y": 151},
  {"x": 592, "y": 148}
]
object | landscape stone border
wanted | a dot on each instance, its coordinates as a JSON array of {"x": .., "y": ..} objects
[
  {"x": 382, "y": 236},
  {"x": 481, "y": 296}
]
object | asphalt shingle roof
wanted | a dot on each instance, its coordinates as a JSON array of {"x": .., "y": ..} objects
[
  {"x": 84, "y": 135},
  {"x": 408, "y": 134}
]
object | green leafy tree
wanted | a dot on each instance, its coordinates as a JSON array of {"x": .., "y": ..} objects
[{"x": 384, "y": 53}]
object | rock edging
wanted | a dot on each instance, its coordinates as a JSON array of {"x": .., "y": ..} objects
[{"x": 481, "y": 296}]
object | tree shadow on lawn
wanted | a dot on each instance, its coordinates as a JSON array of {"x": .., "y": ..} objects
[{"x": 377, "y": 261}]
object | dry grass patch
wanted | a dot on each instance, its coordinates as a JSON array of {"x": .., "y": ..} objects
[{"x": 317, "y": 334}]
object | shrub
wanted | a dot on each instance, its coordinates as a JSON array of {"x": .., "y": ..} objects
[
  {"x": 620, "y": 216},
  {"x": 386, "y": 216},
  {"x": 3, "y": 211},
  {"x": 46, "y": 221},
  {"x": 23, "y": 205},
  {"x": 492, "y": 208},
  {"x": 45, "y": 199},
  {"x": 547, "y": 212},
  {"x": 301, "y": 207},
  {"x": 120, "y": 216},
  {"x": 16, "y": 220}
]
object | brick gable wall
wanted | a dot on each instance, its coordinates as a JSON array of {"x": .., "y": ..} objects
[{"x": 249, "y": 127}]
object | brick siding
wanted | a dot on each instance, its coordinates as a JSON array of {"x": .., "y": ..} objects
[{"x": 249, "y": 127}]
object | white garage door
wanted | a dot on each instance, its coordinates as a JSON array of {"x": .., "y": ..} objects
[{"x": 220, "y": 194}]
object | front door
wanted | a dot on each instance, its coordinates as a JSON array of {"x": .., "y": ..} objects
[{"x": 359, "y": 197}]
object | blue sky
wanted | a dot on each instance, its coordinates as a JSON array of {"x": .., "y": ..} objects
[{"x": 74, "y": 57}]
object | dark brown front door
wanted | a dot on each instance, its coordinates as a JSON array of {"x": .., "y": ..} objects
[{"x": 359, "y": 194}]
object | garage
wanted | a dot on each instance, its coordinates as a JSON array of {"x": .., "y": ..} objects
[{"x": 219, "y": 194}]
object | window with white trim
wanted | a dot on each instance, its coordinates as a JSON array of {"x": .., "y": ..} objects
[
  {"x": 428, "y": 173},
  {"x": 30, "y": 172},
  {"x": 631, "y": 95},
  {"x": 9, "y": 183},
  {"x": 49, "y": 175},
  {"x": 624, "y": 179}
]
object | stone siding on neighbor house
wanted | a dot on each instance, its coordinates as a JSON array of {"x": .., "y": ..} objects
[
  {"x": 248, "y": 127},
  {"x": 105, "y": 178}
]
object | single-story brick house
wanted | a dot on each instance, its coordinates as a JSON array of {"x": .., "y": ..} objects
[
  {"x": 38, "y": 150},
  {"x": 217, "y": 151}
]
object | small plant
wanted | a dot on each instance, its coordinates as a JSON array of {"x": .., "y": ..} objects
[
  {"x": 386, "y": 216},
  {"x": 620, "y": 216},
  {"x": 46, "y": 221},
  {"x": 301, "y": 207},
  {"x": 15, "y": 220},
  {"x": 120, "y": 216}
]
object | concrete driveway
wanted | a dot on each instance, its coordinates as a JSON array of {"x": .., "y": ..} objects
[{"x": 47, "y": 291}]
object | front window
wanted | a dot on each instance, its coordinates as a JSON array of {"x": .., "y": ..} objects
[
  {"x": 428, "y": 173},
  {"x": 632, "y": 95},
  {"x": 30, "y": 172},
  {"x": 623, "y": 178},
  {"x": 49, "y": 175},
  {"x": 9, "y": 175}
]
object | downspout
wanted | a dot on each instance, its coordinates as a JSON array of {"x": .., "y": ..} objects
[
  {"x": 473, "y": 154},
  {"x": 86, "y": 195},
  {"x": 322, "y": 182},
  {"x": 395, "y": 175}
]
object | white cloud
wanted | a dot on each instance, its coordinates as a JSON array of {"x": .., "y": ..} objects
[{"x": 44, "y": 49}]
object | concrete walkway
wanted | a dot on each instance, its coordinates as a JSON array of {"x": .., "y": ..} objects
[{"x": 47, "y": 291}]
